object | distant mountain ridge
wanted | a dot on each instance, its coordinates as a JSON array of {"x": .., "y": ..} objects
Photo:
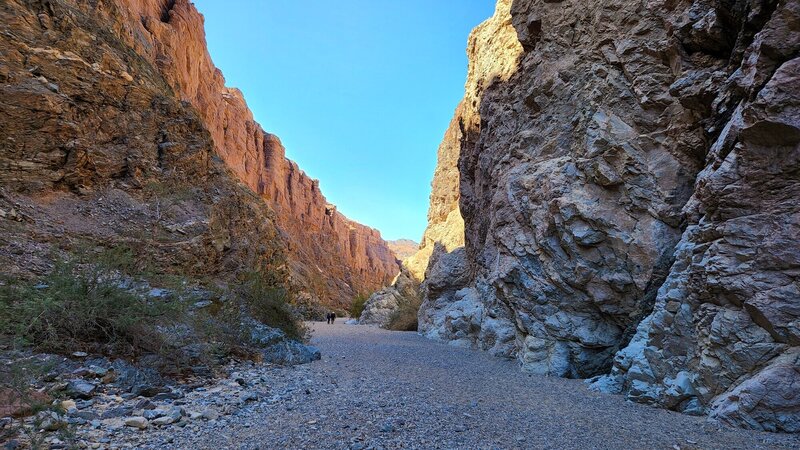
[{"x": 403, "y": 248}]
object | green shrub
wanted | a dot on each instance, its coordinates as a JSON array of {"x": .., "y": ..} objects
[
  {"x": 267, "y": 301},
  {"x": 85, "y": 304},
  {"x": 81, "y": 308},
  {"x": 405, "y": 317},
  {"x": 357, "y": 307}
]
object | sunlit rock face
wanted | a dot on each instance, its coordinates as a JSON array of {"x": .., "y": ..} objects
[
  {"x": 382, "y": 305},
  {"x": 97, "y": 151},
  {"x": 331, "y": 256},
  {"x": 403, "y": 248},
  {"x": 627, "y": 177}
]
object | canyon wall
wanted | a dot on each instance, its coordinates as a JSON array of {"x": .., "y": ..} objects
[
  {"x": 627, "y": 174},
  {"x": 332, "y": 257},
  {"x": 96, "y": 152}
]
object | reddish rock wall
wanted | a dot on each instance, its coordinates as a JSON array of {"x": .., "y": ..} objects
[{"x": 333, "y": 256}]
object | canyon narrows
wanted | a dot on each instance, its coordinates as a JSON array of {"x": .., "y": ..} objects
[{"x": 616, "y": 199}]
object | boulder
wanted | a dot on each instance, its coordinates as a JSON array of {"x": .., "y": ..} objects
[{"x": 137, "y": 422}]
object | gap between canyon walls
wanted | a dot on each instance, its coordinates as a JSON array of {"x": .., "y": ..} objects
[{"x": 332, "y": 257}]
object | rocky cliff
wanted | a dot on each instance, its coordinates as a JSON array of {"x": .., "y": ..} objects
[
  {"x": 331, "y": 256},
  {"x": 627, "y": 176},
  {"x": 403, "y": 248},
  {"x": 97, "y": 150}
]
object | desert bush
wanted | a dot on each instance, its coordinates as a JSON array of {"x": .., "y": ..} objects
[
  {"x": 405, "y": 317},
  {"x": 90, "y": 303},
  {"x": 81, "y": 307},
  {"x": 357, "y": 307},
  {"x": 267, "y": 300}
]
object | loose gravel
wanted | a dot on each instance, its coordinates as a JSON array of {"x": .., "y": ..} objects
[{"x": 380, "y": 389}]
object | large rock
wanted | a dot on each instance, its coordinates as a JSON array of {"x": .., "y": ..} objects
[
  {"x": 277, "y": 348},
  {"x": 727, "y": 319},
  {"x": 626, "y": 174},
  {"x": 382, "y": 305}
]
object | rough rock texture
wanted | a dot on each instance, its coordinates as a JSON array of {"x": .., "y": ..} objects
[
  {"x": 598, "y": 144},
  {"x": 95, "y": 149},
  {"x": 724, "y": 334},
  {"x": 330, "y": 255},
  {"x": 381, "y": 305}
]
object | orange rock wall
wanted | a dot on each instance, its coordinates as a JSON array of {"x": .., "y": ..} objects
[{"x": 333, "y": 256}]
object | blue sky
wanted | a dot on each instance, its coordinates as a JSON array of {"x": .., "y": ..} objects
[{"x": 359, "y": 91}]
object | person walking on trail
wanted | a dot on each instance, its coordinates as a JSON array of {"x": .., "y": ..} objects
[
  {"x": 333, "y": 317},
  {"x": 328, "y": 318}
]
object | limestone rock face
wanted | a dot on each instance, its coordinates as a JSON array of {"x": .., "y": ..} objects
[
  {"x": 725, "y": 322},
  {"x": 382, "y": 305},
  {"x": 627, "y": 176}
]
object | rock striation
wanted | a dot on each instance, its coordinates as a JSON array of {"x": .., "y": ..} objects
[
  {"x": 627, "y": 176},
  {"x": 330, "y": 256}
]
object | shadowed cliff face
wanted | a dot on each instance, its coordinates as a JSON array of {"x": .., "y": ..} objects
[
  {"x": 598, "y": 144},
  {"x": 331, "y": 256}
]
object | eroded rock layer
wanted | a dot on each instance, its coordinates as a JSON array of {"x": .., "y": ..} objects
[
  {"x": 332, "y": 257},
  {"x": 628, "y": 179}
]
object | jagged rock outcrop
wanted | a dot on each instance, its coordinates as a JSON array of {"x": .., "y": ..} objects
[
  {"x": 628, "y": 181},
  {"x": 724, "y": 336},
  {"x": 330, "y": 256}
]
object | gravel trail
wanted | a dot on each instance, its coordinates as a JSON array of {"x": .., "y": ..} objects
[{"x": 381, "y": 389}]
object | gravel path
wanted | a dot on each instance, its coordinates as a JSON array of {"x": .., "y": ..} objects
[{"x": 380, "y": 389}]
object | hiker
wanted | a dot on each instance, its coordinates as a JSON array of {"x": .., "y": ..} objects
[
  {"x": 333, "y": 317},
  {"x": 328, "y": 318}
]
